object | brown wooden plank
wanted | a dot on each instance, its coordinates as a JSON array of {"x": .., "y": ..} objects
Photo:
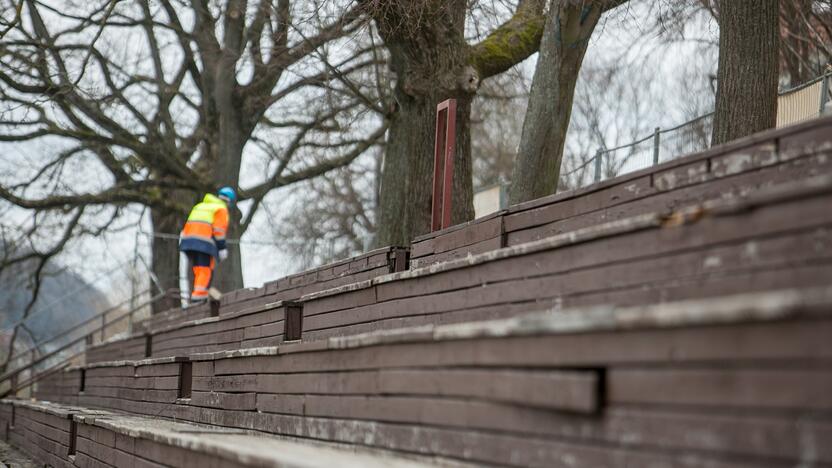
[
  {"x": 783, "y": 342},
  {"x": 244, "y": 383},
  {"x": 773, "y": 388},
  {"x": 743, "y": 183},
  {"x": 626, "y": 190},
  {"x": 473, "y": 249},
  {"x": 222, "y": 400}
]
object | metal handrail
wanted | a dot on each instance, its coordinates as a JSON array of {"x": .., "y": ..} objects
[
  {"x": 11, "y": 375},
  {"x": 46, "y": 307},
  {"x": 42, "y": 375},
  {"x": 74, "y": 327},
  {"x": 655, "y": 136},
  {"x": 805, "y": 85}
]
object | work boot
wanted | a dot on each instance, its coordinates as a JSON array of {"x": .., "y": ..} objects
[{"x": 195, "y": 301}]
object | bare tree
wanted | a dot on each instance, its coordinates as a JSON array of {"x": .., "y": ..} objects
[
  {"x": 496, "y": 122},
  {"x": 157, "y": 102},
  {"x": 333, "y": 217},
  {"x": 569, "y": 26},
  {"x": 746, "y": 100},
  {"x": 433, "y": 61}
]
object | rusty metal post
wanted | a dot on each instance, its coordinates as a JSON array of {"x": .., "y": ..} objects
[
  {"x": 657, "y": 135},
  {"x": 443, "y": 165}
]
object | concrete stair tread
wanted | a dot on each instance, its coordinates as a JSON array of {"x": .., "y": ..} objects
[{"x": 241, "y": 447}]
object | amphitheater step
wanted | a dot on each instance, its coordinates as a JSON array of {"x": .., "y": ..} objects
[
  {"x": 737, "y": 170},
  {"x": 13, "y": 458},
  {"x": 70, "y": 436},
  {"x": 741, "y": 167},
  {"x": 776, "y": 238},
  {"x": 358, "y": 268},
  {"x": 728, "y": 381}
]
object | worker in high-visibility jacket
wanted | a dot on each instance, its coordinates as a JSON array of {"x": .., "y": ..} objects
[{"x": 203, "y": 239}]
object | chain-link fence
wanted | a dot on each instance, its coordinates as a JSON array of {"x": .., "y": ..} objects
[
  {"x": 807, "y": 101},
  {"x": 662, "y": 145}
]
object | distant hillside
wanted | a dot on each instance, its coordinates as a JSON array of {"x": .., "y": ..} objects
[{"x": 57, "y": 308}]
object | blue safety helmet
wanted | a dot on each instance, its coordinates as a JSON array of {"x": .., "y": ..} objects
[{"x": 228, "y": 193}]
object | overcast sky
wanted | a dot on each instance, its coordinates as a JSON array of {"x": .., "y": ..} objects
[{"x": 669, "y": 79}]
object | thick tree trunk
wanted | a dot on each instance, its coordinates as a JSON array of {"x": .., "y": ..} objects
[
  {"x": 229, "y": 274},
  {"x": 165, "y": 252},
  {"x": 433, "y": 62},
  {"x": 565, "y": 40},
  {"x": 406, "y": 190},
  {"x": 746, "y": 98},
  {"x": 234, "y": 132},
  {"x": 431, "y": 65}
]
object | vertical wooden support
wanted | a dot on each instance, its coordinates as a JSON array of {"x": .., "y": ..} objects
[
  {"x": 83, "y": 383},
  {"x": 148, "y": 345},
  {"x": 443, "y": 165},
  {"x": 293, "y": 314},
  {"x": 215, "y": 307},
  {"x": 398, "y": 259},
  {"x": 186, "y": 377},
  {"x": 73, "y": 436}
]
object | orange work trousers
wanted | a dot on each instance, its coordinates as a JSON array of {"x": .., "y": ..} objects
[{"x": 202, "y": 265}]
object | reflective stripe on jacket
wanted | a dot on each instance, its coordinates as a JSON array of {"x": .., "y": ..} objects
[{"x": 206, "y": 227}]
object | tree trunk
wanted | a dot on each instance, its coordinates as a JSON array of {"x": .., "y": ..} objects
[
  {"x": 234, "y": 131},
  {"x": 565, "y": 40},
  {"x": 407, "y": 193},
  {"x": 228, "y": 275},
  {"x": 433, "y": 62},
  {"x": 431, "y": 65},
  {"x": 165, "y": 252},
  {"x": 746, "y": 98}
]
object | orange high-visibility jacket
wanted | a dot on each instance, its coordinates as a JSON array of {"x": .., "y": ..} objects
[{"x": 206, "y": 227}]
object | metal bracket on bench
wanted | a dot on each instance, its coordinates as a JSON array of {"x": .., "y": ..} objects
[
  {"x": 73, "y": 436},
  {"x": 186, "y": 378},
  {"x": 148, "y": 345},
  {"x": 215, "y": 307},
  {"x": 398, "y": 259},
  {"x": 293, "y": 324}
]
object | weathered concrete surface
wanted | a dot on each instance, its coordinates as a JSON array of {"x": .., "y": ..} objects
[
  {"x": 698, "y": 381},
  {"x": 742, "y": 308},
  {"x": 236, "y": 446},
  {"x": 13, "y": 458}
]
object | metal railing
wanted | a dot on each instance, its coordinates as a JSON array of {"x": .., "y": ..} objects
[
  {"x": 807, "y": 101},
  {"x": 67, "y": 348}
]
